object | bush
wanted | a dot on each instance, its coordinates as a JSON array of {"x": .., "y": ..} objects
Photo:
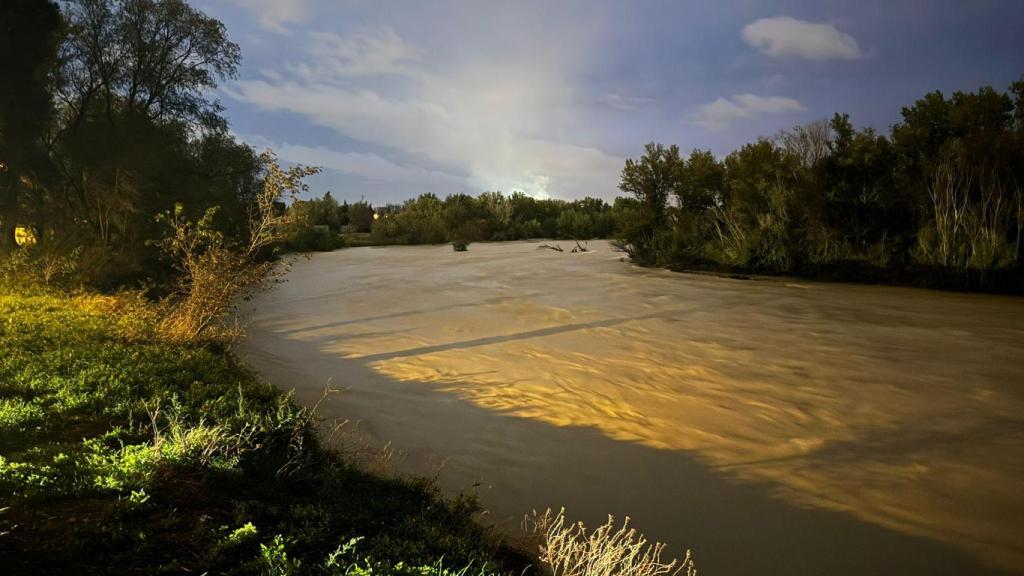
[
  {"x": 34, "y": 269},
  {"x": 214, "y": 271}
]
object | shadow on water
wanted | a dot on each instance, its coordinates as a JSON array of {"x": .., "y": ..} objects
[
  {"x": 395, "y": 315},
  {"x": 526, "y": 335},
  {"x": 733, "y": 527}
]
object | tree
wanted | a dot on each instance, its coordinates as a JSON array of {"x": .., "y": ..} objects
[
  {"x": 810, "y": 143},
  {"x": 464, "y": 219},
  {"x": 157, "y": 58},
  {"x": 360, "y": 216},
  {"x": 29, "y": 36},
  {"x": 703, "y": 182},
  {"x": 651, "y": 180}
]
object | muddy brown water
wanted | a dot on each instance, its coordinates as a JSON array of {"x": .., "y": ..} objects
[{"x": 772, "y": 426}]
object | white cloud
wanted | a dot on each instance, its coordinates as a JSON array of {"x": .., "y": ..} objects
[
  {"x": 275, "y": 15},
  {"x": 372, "y": 167},
  {"x": 497, "y": 116},
  {"x": 719, "y": 114},
  {"x": 368, "y": 53},
  {"x": 625, "y": 103},
  {"x": 785, "y": 36}
]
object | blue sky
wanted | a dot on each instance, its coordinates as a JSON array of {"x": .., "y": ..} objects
[{"x": 397, "y": 98}]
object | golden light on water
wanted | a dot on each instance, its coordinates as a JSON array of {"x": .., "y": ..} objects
[{"x": 901, "y": 408}]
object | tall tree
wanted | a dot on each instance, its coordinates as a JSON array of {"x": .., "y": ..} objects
[
  {"x": 29, "y": 36},
  {"x": 138, "y": 130},
  {"x": 651, "y": 180},
  {"x": 157, "y": 58}
]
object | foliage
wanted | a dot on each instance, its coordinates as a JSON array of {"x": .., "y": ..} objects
[
  {"x": 30, "y": 269},
  {"x": 214, "y": 271},
  {"x": 651, "y": 180},
  {"x": 461, "y": 218},
  {"x": 141, "y": 456},
  {"x": 110, "y": 122},
  {"x": 938, "y": 202}
]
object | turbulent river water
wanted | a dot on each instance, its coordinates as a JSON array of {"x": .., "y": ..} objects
[{"x": 772, "y": 426}]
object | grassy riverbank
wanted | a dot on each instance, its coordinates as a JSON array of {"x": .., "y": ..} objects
[{"x": 123, "y": 453}]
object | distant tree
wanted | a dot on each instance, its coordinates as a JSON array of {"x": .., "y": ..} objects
[
  {"x": 810, "y": 143},
  {"x": 360, "y": 216},
  {"x": 464, "y": 219}
]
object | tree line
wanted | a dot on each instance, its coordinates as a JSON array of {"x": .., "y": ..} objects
[
  {"x": 428, "y": 219},
  {"x": 937, "y": 201}
]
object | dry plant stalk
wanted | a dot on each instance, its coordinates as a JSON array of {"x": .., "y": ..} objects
[{"x": 572, "y": 550}]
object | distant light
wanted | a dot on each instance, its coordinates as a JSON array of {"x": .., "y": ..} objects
[
  {"x": 376, "y": 215},
  {"x": 3, "y": 167}
]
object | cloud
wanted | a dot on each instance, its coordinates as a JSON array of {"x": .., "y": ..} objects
[
  {"x": 719, "y": 114},
  {"x": 369, "y": 166},
  {"x": 275, "y": 15},
  {"x": 625, "y": 103},
  {"x": 368, "y": 53},
  {"x": 498, "y": 118},
  {"x": 785, "y": 36}
]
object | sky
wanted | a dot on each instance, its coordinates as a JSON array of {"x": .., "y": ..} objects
[{"x": 397, "y": 98}]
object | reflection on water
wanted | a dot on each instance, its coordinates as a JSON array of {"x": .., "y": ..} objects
[{"x": 903, "y": 408}]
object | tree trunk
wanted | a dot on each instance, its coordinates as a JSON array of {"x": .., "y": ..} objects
[{"x": 7, "y": 213}]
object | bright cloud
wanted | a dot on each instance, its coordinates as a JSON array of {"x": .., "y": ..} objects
[
  {"x": 723, "y": 112},
  {"x": 785, "y": 36},
  {"x": 495, "y": 120}
]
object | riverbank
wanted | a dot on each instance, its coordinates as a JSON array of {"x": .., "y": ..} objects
[
  {"x": 1004, "y": 282},
  {"x": 121, "y": 453}
]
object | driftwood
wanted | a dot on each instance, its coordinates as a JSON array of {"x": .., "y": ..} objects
[
  {"x": 578, "y": 248},
  {"x": 556, "y": 247}
]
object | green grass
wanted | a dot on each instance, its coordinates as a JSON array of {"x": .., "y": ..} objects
[{"x": 124, "y": 454}]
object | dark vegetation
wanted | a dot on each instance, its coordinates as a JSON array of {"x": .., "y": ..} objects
[
  {"x": 938, "y": 202},
  {"x": 106, "y": 122}
]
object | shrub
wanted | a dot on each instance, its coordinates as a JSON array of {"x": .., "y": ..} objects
[
  {"x": 214, "y": 271},
  {"x": 33, "y": 268}
]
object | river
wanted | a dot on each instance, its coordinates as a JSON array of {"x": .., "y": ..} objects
[{"x": 773, "y": 426}]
